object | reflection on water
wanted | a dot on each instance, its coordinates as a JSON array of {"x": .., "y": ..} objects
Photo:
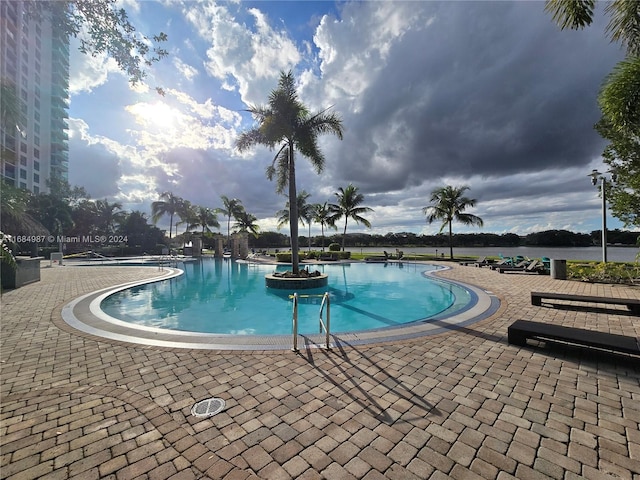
[{"x": 224, "y": 296}]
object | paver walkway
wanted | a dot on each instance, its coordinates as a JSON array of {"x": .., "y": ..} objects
[{"x": 460, "y": 405}]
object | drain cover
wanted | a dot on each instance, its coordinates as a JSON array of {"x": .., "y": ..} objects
[{"x": 208, "y": 407}]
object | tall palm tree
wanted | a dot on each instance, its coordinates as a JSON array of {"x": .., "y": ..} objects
[
  {"x": 348, "y": 206},
  {"x": 285, "y": 123},
  {"x": 448, "y": 204},
  {"x": 169, "y": 204},
  {"x": 305, "y": 213},
  {"x": 322, "y": 214},
  {"x": 246, "y": 222},
  {"x": 232, "y": 208},
  {"x": 207, "y": 218}
]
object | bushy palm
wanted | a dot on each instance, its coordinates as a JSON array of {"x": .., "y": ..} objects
[
  {"x": 108, "y": 215},
  {"x": 232, "y": 208},
  {"x": 348, "y": 206},
  {"x": 285, "y": 123},
  {"x": 246, "y": 222},
  {"x": 169, "y": 204},
  {"x": 207, "y": 218},
  {"x": 448, "y": 204},
  {"x": 323, "y": 215},
  {"x": 305, "y": 213},
  {"x": 188, "y": 214}
]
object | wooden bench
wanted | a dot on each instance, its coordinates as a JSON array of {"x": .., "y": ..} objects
[
  {"x": 632, "y": 304},
  {"x": 521, "y": 330}
]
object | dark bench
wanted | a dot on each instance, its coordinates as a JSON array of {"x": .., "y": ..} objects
[
  {"x": 521, "y": 330},
  {"x": 632, "y": 304}
]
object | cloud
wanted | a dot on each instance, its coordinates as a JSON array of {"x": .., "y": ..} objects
[
  {"x": 239, "y": 56},
  {"x": 186, "y": 71},
  {"x": 88, "y": 72},
  {"x": 488, "y": 94},
  {"x": 95, "y": 166}
]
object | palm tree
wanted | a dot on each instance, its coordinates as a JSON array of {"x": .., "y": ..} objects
[
  {"x": 448, "y": 204},
  {"x": 285, "y": 123},
  {"x": 232, "y": 208},
  {"x": 207, "y": 218},
  {"x": 108, "y": 215},
  {"x": 305, "y": 213},
  {"x": 322, "y": 214},
  {"x": 169, "y": 204},
  {"x": 348, "y": 207},
  {"x": 188, "y": 214},
  {"x": 245, "y": 222}
]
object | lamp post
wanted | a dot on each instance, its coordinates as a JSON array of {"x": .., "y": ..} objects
[{"x": 595, "y": 176}]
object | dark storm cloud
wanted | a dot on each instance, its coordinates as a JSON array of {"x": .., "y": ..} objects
[{"x": 487, "y": 89}]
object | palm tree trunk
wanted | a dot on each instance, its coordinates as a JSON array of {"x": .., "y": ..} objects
[
  {"x": 293, "y": 212},
  {"x": 450, "y": 241},
  {"x": 344, "y": 234},
  {"x": 322, "y": 229},
  {"x": 309, "y": 235},
  {"x": 170, "y": 225}
]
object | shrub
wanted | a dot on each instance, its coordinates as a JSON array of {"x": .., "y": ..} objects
[
  {"x": 334, "y": 247},
  {"x": 284, "y": 257},
  {"x": 604, "y": 272}
]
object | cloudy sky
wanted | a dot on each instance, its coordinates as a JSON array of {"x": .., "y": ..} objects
[{"x": 486, "y": 94}]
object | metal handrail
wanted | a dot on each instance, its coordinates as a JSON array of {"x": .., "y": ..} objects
[
  {"x": 322, "y": 325},
  {"x": 295, "y": 322}
]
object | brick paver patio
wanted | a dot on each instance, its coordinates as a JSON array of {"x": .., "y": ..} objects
[{"x": 463, "y": 404}]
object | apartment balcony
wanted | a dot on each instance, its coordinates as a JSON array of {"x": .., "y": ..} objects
[
  {"x": 59, "y": 113},
  {"x": 59, "y": 137}
]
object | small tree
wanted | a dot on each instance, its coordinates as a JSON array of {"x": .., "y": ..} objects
[
  {"x": 348, "y": 206},
  {"x": 448, "y": 204},
  {"x": 169, "y": 204}
]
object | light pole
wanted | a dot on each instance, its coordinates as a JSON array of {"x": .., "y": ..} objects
[{"x": 595, "y": 176}]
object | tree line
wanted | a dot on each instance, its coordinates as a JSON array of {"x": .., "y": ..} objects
[{"x": 548, "y": 238}]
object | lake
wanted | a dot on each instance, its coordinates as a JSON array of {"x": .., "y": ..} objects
[{"x": 614, "y": 254}]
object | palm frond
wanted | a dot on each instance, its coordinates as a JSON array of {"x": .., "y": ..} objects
[
  {"x": 624, "y": 25},
  {"x": 574, "y": 14}
]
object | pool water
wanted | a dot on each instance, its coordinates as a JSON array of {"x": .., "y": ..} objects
[{"x": 227, "y": 297}]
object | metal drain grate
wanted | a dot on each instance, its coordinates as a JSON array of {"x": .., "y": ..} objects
[{"x": 208, "y": 407}]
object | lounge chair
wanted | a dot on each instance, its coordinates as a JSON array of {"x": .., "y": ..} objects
[
  {"x": 481, "y": 262},
  {"x": 328, "y": 257},
  {"x": 534, "y": 266},
  {"x": 377, "y": 258},
  {"x": 502, "y": 263},
  {"x": 521, "y": 265}
]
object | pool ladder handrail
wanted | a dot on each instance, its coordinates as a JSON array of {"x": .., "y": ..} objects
[{"x": 326, "y": 300}]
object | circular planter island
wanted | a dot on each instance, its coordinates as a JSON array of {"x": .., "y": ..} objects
[{"x": 290, "y": 282}]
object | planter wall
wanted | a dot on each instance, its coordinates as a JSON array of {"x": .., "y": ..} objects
[{"x": 27, "y": 271}]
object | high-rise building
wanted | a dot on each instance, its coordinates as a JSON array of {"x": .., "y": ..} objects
[{"x": 34, "y": 70}]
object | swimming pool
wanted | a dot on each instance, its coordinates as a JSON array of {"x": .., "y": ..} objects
[{"x": 227, "y": 297}]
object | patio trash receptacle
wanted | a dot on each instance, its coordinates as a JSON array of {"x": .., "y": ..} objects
[{"x": 558, "y": 269}]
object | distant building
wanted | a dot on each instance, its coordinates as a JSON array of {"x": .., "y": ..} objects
[{"x": 34, "y": 70}]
